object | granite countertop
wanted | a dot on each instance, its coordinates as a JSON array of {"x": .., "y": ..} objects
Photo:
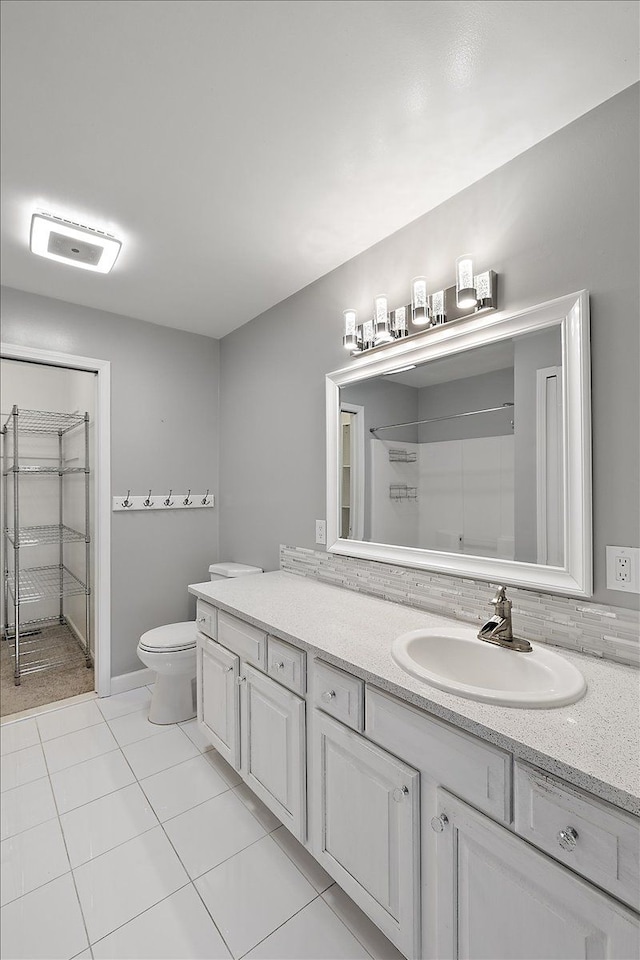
[{"x": 594, "y": 743}]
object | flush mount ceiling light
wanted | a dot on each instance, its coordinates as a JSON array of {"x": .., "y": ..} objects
[
  {"x": 73, "y": 243},
  {"x": 471, "y": 294}
]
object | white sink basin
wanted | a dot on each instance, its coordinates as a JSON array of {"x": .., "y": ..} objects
[{"x": 453, "y": 659}]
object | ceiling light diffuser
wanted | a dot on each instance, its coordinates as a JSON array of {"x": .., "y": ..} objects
[{"x": 73, "y": 243}]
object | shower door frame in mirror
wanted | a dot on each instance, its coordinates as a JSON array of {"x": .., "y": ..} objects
[{"x": 571, "y": 314}]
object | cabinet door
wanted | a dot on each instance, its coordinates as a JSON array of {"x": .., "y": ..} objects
[
  {"x": 501, "y": 899},
  {"x": 367, "y": 828},
  {"x": 274, "y": 747},
  {"x": 218, "y": 698}
]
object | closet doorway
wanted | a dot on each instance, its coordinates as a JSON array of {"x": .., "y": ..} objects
[{"x": 53, "y": 482}]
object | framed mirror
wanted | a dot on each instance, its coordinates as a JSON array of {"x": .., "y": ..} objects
[{"x": 468, "y": 451}]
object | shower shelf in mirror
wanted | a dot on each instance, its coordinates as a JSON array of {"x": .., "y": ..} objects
[
  {"x": 402, "y": 456},
  {"x": 400, "y": 491}
]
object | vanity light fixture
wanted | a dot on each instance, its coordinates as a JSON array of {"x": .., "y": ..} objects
[
  {"x": 73, "y": 243},
  {"x": 465, "y": 289},
  {"x": 350, "y": 338},
  {"x": 471, "y": 294},
  {"x": 419, "y": 303}
]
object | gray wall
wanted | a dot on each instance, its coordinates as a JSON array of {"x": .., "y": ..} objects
[
  {"x": 561, "y": 217},
  {"x": 164, "y": 424},
  {"x": 469, "y": 393}
]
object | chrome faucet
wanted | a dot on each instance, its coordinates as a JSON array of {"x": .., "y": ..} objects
[{"x": 499, "y": 630}]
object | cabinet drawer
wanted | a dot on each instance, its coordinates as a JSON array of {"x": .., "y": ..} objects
[
  {"x": 606, "y": 845},
  {"x": 287, "y": 665},
  {"x": 248, "y": 642},
  {"x": 339, "y": 694},
  {"x": 206, "y": 619},
  {"x": 472, "y": 769}
]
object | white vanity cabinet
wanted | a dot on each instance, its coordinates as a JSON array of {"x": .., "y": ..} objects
[
  {"x": 366, "y": 830},
  {"x": 272, "y": 723},
  {"x": 257, "y": 724},
  {"x": 218, "y": 698},
  {"x": 499, "y": 898}
]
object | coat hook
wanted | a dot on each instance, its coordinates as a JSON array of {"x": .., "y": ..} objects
[
  {"x": 168, "y": 502},
  {"x": 186, "y": 502},
  {"x": 126, "y": 502},
  {"x": 204, "y": 499},
  {"x": 148, "y": 502}
]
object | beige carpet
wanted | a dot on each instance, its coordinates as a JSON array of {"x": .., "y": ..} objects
[{"x": 45, "y": 686}]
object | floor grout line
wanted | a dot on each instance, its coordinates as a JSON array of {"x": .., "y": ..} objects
[
  {"x": 66, "y": 850},
  {"x": 279, "y": 927}
]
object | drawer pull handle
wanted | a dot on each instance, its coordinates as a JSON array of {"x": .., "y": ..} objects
[
  {"x": 202, "y": 619},
  {"x": 228, "y": 669},
  {"x": 241, "y": 680},
  {"x": 400, "y": 793},
  {"x": 328, "y": 696},
  {"x": 439, "y": 823},
  {"x": 279, "y": 666},
  {"x": 568, "y": 839}
]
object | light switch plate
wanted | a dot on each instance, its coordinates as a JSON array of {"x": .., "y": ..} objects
[{"x": 623, "y": 569}]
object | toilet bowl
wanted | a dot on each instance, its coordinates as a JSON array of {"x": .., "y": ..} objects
[{"x": 170, "y": 651}]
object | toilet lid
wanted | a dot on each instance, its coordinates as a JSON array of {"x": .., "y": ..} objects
[{"x": 172, "y": 636}]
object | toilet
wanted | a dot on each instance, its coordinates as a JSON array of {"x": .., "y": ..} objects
[{"x": 170, "y": 651}]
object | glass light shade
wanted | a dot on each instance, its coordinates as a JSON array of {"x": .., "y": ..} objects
[
  {"x": 367, "y": 332},
  {"x": 381, "y": 311},
  {"x": 381, "y": 319},
  {"x": 437, "y": 307},
  {"x": 350, "y": 317},
  {"x": 419, "y": 306},
  {"x": 400, "y": 322},
  {"x": 484, "y": 289},
  {"x": 465, "y": 290}
]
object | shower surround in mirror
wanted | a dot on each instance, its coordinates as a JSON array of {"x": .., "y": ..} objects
[
  {"x": 450, "y": 494},
  {"x": 596, "y": 629}
]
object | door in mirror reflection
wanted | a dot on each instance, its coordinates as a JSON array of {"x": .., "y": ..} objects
[{"x": 463, "y": 454}]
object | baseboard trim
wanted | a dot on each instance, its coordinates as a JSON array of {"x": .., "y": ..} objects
[{"x": 130, "y": 681}]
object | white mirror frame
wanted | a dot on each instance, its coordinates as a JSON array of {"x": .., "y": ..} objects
[{"x": 571, "y": 313}]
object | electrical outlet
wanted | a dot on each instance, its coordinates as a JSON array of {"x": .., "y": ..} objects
[
  {"x": 321, "y": 531},
  {"x": 623, "y": 569}
]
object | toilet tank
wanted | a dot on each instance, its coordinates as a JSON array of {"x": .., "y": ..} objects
[{"x": 227, "y": 569}]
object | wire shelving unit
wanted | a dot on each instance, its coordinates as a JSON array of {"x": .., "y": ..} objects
[{"x": 32, "y": 649}]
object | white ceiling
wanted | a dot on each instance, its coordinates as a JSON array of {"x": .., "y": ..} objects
[{"x": 243, "y": 149}]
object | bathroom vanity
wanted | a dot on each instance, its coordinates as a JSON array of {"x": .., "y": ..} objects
[{"x": 460, "y": 828}]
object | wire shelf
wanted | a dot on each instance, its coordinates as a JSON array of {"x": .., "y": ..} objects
[
  {"x": 52, "y": 646},
  {"x": 46, "y": 533},
  {"x": 44, "y": 583},
  {"x": 45, "y": 421},
  {"x": 39, "y": 468}
]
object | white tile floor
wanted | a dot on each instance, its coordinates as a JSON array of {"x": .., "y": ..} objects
[{"x": 122, "y": 839}]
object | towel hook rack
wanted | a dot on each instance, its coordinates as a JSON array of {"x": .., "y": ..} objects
[
  {"x": 148, "y": 502},
  {"x": 186, "y": 502},
  {"x": 169, "y": 502},
  {"x": 127, "y": 502}
]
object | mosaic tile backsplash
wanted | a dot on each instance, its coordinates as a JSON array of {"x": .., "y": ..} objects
[{"x": 602, "y": 631}]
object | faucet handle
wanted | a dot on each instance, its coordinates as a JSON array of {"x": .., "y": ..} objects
[{"x": 500, "y": 596}]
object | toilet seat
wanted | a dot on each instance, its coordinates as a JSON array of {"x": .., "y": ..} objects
[{"x": 170, "y": 638}]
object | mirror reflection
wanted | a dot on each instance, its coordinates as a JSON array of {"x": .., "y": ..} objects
[{"x": 460, "y": 454}]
